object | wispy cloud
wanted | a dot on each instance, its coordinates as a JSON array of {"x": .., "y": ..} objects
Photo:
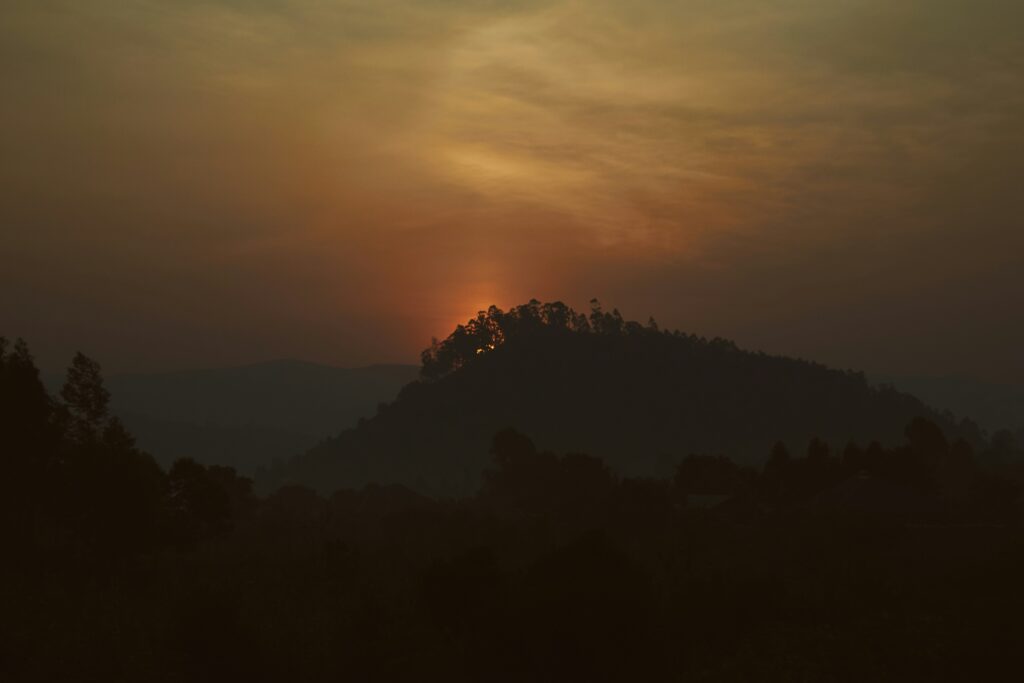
[{"x": 317, "y": 158}]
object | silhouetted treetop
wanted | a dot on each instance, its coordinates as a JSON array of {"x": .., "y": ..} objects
[
  {"x": 25, "y": 407},
  {"x": 494, "y": 327},
  {"x": 86, "y": 398}
]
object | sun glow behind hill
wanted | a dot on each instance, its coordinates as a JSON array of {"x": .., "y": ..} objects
[{"x": 370, "y": 173}]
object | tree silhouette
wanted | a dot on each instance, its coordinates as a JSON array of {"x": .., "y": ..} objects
[
  {"x": 85, "y": 397},
  {"x": 560, "y": 567}
]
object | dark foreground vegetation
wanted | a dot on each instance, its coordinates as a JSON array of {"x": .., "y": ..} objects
[{"x": 869, "y": 564}]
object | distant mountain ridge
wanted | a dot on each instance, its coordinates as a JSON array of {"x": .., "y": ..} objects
[
  {"x": 295, "y": 395},
  {"x": 246, "y": 416},
  {"x": 639, "y": 397},
  {"x": 994, "y": 406}
]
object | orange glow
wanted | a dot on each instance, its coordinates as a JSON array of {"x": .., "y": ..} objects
[{"x": 348, "y": 179}]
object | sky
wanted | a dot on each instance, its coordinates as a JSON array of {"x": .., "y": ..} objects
[{"x": 189, "y": 183}]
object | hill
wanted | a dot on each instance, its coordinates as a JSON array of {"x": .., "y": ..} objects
[
  {"x": 994, "y": 406},
  {"x": 246, "y": 416},
  {"x": 879, "y": 564},
  {"x": 638, "y": 397}
]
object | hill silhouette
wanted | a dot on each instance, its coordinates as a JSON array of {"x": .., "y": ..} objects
[
  {"x": 636, "y": 396},
  {"x": 993, "y": 406},
  {"x": 881, "y": 564},
  {"x": 246, "y": 416}
]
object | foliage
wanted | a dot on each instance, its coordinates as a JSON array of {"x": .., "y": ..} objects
[
  {"x": 873, "y": 563},
  {"x": 494, "y": 327}
]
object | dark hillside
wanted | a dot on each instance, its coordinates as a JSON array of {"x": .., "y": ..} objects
[
  {"x": 879, "y": 564},
  {"x": 639, "y": 397}
]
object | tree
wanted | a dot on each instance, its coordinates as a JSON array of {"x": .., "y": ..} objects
[
  {"x": 197, "y": 494},
  {"x": 524, "y": 477},
  {"x": 779, "y": 459},
  {"x": 86, "y": 398},
  {"x": 29, "y": 442},
  {"x": 26, "y": 411},
  {"x": 705, "y": 474},
  {"x": 927, "y": 442},
  {"x": 817, "y": 450}
]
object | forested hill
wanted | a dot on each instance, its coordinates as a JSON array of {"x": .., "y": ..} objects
[{"x": 639, "y": 397}]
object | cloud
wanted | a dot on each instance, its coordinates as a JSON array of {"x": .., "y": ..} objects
[{"x": 716, "y": 162}]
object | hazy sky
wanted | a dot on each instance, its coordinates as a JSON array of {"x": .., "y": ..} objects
[{"x": 188, "y": 183}]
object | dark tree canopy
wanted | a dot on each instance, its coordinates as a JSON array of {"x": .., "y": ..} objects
[
  {"x": 85, "y": 397},
  {"x": 494, "y": 327},
  {"x": 883, "y": 563}
]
